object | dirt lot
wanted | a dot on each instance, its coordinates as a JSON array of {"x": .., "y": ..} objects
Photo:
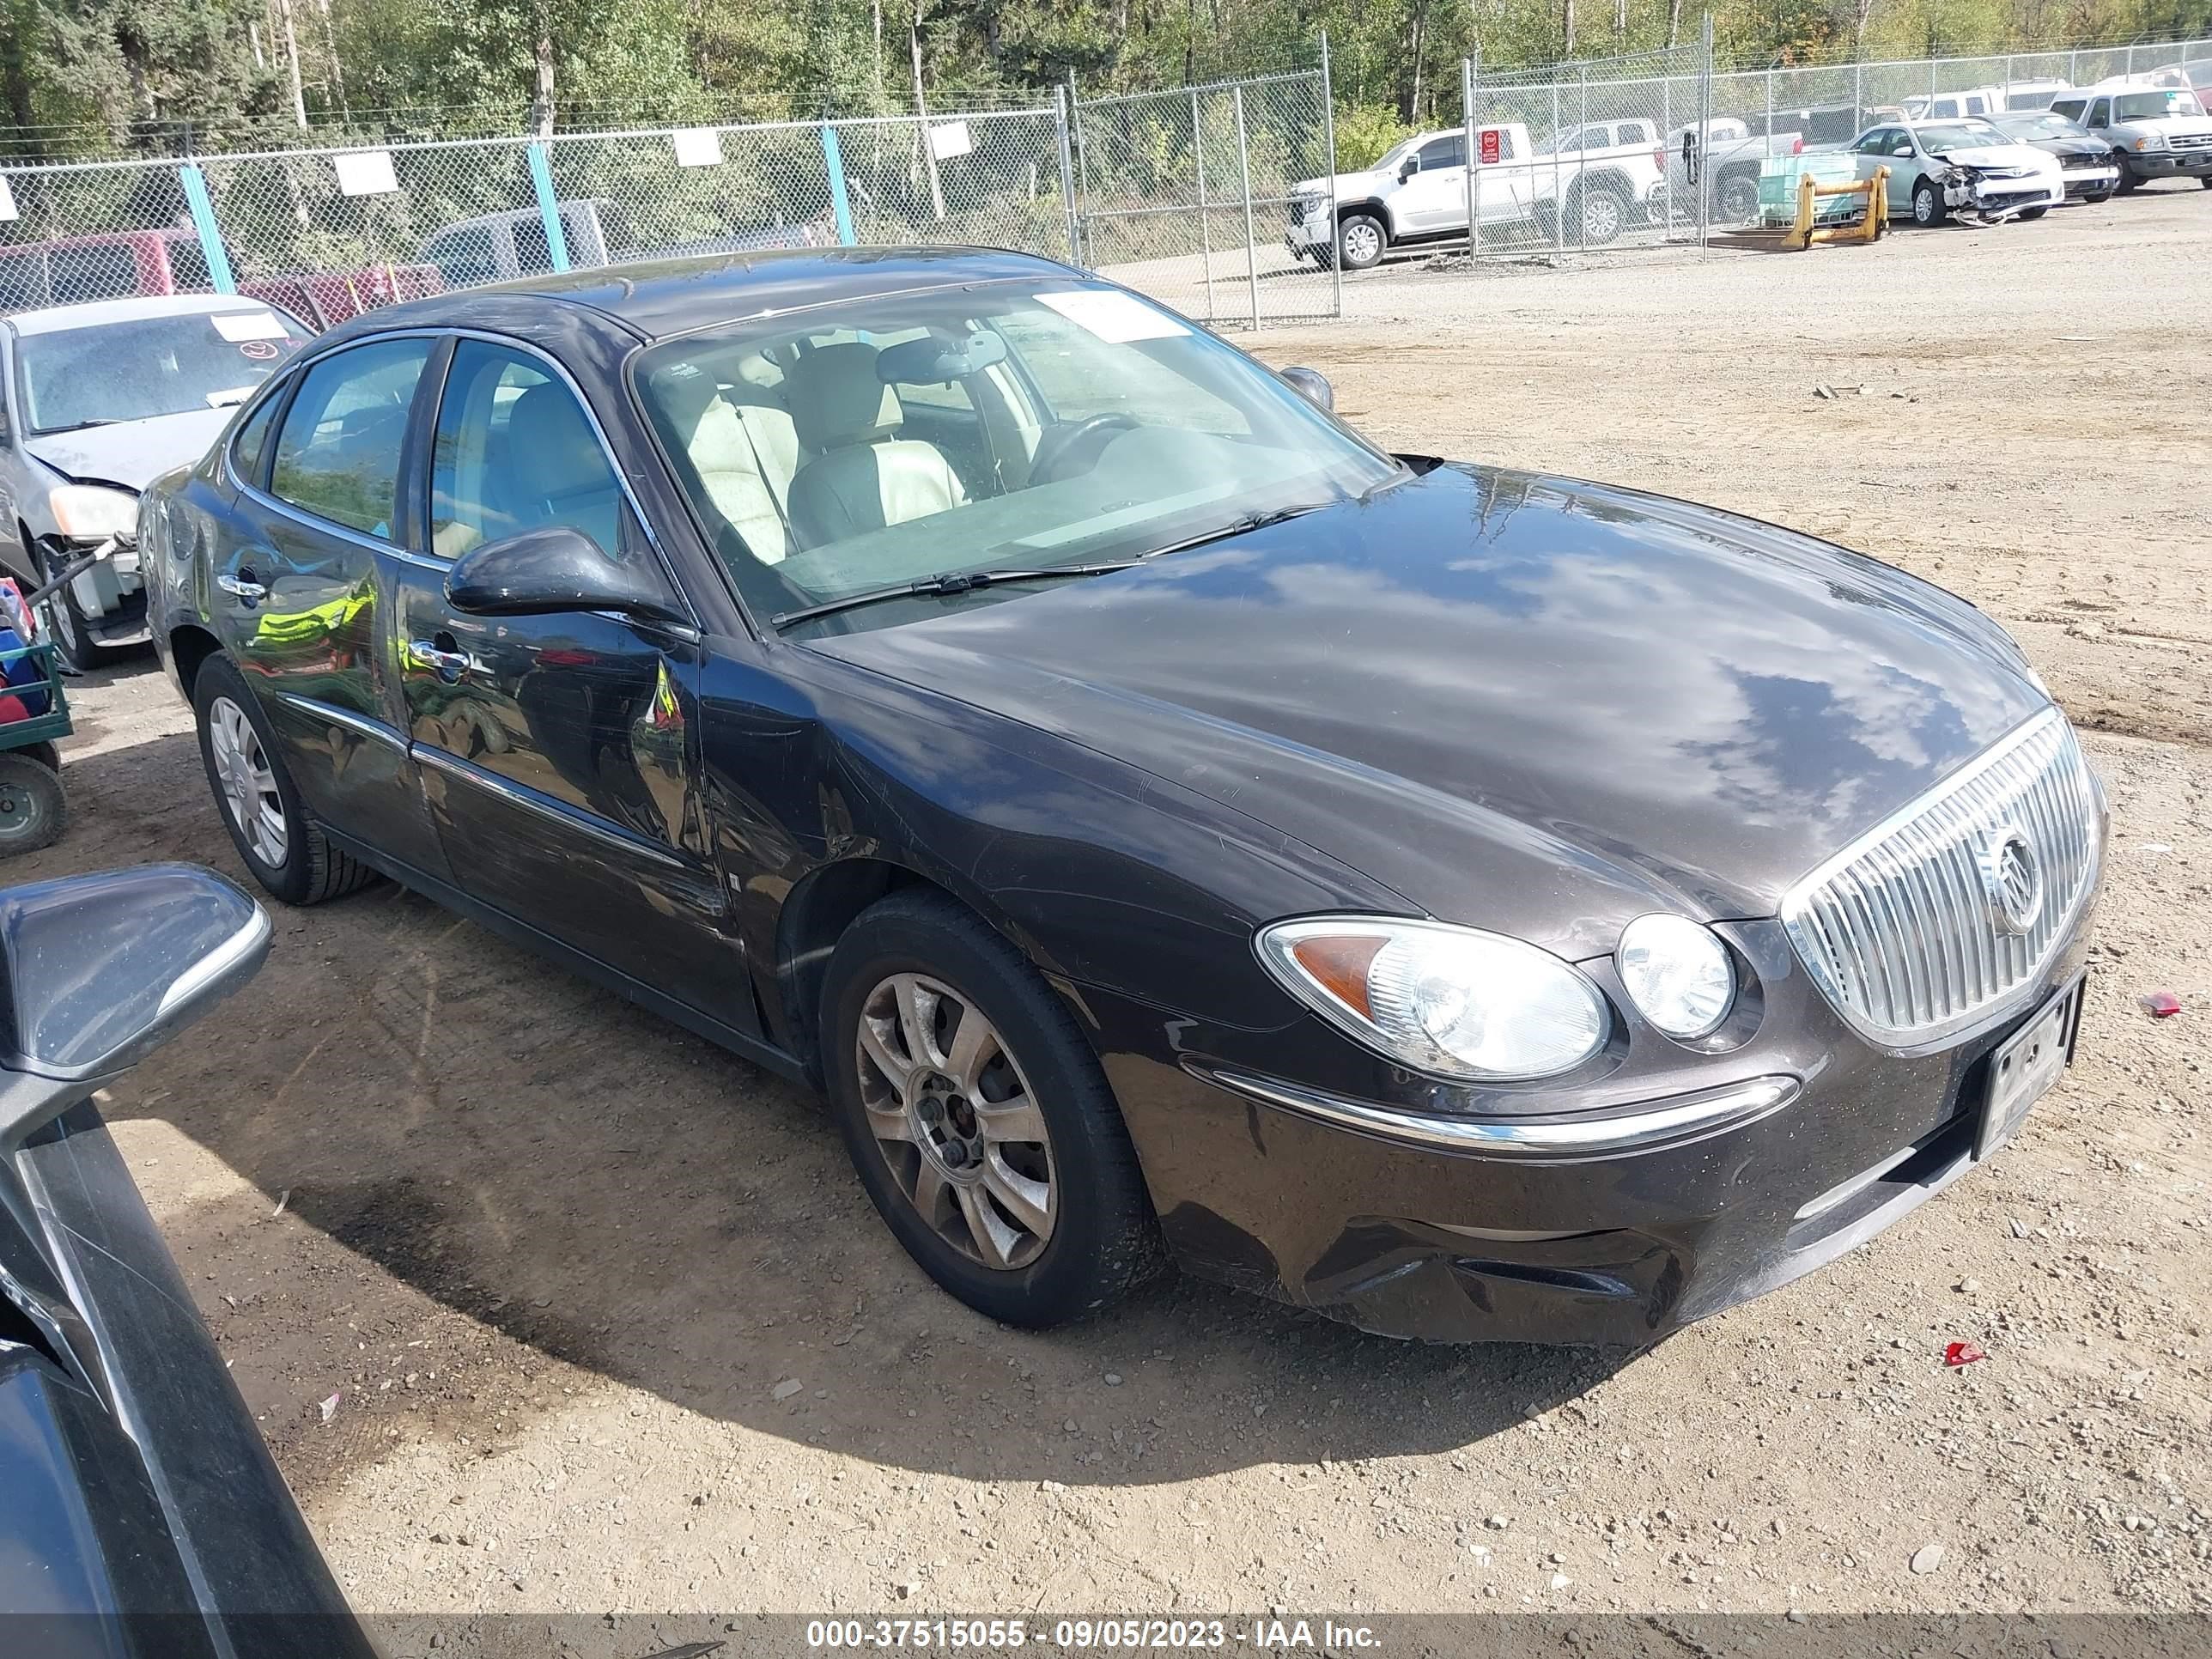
[{"x": 556, "y": 1256}]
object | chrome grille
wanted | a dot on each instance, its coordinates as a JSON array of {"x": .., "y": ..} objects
[
  {"x": 2190, "y": 140},
  {"x": 1902, "y": 930}
]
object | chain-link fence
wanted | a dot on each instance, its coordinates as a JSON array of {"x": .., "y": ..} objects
[
  {"x": 1594, "y": 164},
  {"x": 1188, "y": 194}
]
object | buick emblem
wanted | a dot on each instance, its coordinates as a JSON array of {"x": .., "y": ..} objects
[{"x": 2011, "y": 879}]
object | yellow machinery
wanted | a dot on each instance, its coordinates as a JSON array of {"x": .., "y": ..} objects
[{"x": 1869, "y": 227}]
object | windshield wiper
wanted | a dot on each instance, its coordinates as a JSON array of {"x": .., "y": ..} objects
[
  {"x": 1252, "y": 521},
  {"x": 73, "y": 425},
  {"x": 960, "y": 581}
]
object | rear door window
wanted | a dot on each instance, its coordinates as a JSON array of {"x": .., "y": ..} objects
[{"x": 338, "y": 453}]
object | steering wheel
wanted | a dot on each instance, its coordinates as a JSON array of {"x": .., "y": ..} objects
[{"x": 1062, "y": 446}]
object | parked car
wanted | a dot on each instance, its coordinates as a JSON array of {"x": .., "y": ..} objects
[
  {"x": 499, "y": 246},
  {"x": 1418, "y": 192},
  {"x": 2089, "y": 166},
  {"x": 117, "y": 264},
  {"x": 2157, "y": 131},
  {"x": 1471, "y": 903},
  {"x": 1727, "y": 157},
  {"x": 1937, "y": 168},
  {"x": 1970, "y": 102},
  {"x": 145, "y": 1519},
  {"x": 96, "y": 402},
  {"x": 2030, "y": 95}
]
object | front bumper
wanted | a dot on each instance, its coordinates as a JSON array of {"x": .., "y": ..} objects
[
  {"x": 2001, "y": 198},
  {"x": 1818, "y": 1143},
  {"x": 2170, "y": 163},
  {"x": 2082, "y": 183}
]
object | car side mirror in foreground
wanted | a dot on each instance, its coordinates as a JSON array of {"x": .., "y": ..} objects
[
  {"x": 1313, "y": 386},
  {"x": 103, "y": 970},
  {"x": 553, "y": 569}
]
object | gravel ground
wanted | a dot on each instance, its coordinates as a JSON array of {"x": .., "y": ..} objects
[{"x": 562, "y": 1263}]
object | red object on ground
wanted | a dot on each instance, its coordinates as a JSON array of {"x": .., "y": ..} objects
[
  {"x": 2160, "y": 1004},
  {"x": 1962, "y": 1353}
]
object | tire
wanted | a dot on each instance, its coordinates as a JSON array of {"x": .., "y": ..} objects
[
  {"x": 1927, "y": 208},
  {"x": 1361, "y": 241},
  {"x": 1735, "y": 198},
  {"x": 2206, "y": 180},
  {"x": 297, "y": 865},
  {"x": 927, "y": 1157},
  {"x": 2102, "y": 197},
  {"x": 1601, "y": 215},
  {"x": 2126, "y": 183},
  {"x": 34, "y": 812},
  {"x": 65, "y": 624},
  {"x": 2028, "y": 216}
]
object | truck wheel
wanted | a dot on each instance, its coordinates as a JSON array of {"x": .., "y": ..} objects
[
  {"x": 32, "y": 812},
  {"x": 1927, "y": 208},
  {"x": 1602, "y": 214},
  {"x": 1737, "y": 198},
  {"x": 66, "y": 624},
  {"x": 1360, "y": 240}
]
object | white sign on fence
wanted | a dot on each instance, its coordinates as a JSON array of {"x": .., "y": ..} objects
[
  {"x": 698, "y": 146},
  {"x": 949, "y": 138},
  {"x": 7, "y": 199},
  {"x": 364, "y": 173}
]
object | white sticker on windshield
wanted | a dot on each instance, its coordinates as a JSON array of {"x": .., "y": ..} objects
[
  {"x": 1115, "y": 316},
  {"x": 237, "y": 326}
]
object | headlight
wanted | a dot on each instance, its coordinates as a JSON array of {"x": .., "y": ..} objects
[
  {"x": 87, "y": 512},
  {"x": 1452, "y": 1001},
  {"x": 1676, "y": 973},
  {"x": 2155, "y": 141}
]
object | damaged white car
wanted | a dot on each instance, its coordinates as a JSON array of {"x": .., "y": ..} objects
[{"x": 1939, "y": 168}]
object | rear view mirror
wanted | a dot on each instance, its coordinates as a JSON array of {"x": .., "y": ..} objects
[
  {"x": 552, "y": 568},
  {"x": 1408, "y": 167},
  {"x": 1313, "y": 386},
  {"x": 102, "y": 969},
  {"x": 934, "y": 359}
]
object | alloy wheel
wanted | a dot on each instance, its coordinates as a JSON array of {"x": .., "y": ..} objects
[
  {"x": 247, "y": 782},
  {"x": 955, "y": 1120},
  {"x": 1363, "y": 243},
  {"x": 1601, "y": 217}
]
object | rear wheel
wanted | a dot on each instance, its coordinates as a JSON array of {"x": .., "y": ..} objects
[
  {"x": 1927, "y": 208},
  {"x": 1736, "y": 198},
  {"x": 977, "y": 1117},
  {"x": 32, "y": 809},
  {"x": 1602, "y": 212},
  {"x": 280, "y": 840},
  {"x": 1360, "y": 241}
]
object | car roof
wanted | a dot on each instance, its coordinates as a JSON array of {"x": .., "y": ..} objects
[
  {"x": 52, "y": 320},
  {"x": 659, "y": 298}
]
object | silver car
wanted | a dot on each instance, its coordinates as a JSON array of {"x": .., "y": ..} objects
[
  {"x": 96, "y": 402},
  {"x": 1937, "y": 168}
]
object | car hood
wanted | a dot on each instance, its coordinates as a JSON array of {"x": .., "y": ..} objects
[
  {"x": 2170, "y": 125},
  {"x": 1999, "y": 155},
  {"x": 1537, "y": 705},
  {"x": 132, "y": 453},
  {"x": 1347, "y": 184},
  {"x": 2070, "y": 146}
]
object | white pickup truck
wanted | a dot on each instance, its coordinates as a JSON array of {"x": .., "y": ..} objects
[{"x": 1609, "y": 175}]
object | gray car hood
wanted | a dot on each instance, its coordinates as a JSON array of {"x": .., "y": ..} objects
[{"x": 132, "y": 453}]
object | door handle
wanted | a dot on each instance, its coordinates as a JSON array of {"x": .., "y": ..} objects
[
  {"x": 242, "y": 587},
  {"x": 447, "y": 665}
]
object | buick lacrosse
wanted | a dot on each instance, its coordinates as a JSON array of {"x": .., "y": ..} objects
[{"x": 1471, "y": 903}]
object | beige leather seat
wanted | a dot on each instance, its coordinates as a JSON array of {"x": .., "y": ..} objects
[
  {"x": 745, "y": 453},
  {"x": 861, "y": 477}
]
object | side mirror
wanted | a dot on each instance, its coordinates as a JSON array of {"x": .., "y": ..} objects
[
  {"x": 1408, "y": 167},
  {"x": 556, "y": 568},
  {"x": 103, "y": 970},
  {"x": 1313, "y": 386}
]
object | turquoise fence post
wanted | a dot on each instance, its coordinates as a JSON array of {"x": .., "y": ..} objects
[
  {"x": 840, "y": 205},
  {"x": 203, "y": 210},
  {"x": 549, "y": 211}
]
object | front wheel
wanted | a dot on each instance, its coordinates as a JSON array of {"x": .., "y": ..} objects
[
  {"x": 280, "y": 840},
  {"x": 1927, "y": 208},
  {"x": 2032, "y": 213},
  {"x": 977, "y": 1117},
  {"x": 2125, "y": 184},
  {"x": 71, "y": 631},
  {"x": 32, "y": 810},
  {"x": 1360, "y": 241}
]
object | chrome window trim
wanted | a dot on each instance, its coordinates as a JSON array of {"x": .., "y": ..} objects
[
  {"x": 361, "y": 725},
  {"x": 545, "y": 807},
  {"x": 1648, "y": 1127},
  {"x": 1798, "y": 902}
]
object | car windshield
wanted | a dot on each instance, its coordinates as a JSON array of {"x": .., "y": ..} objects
[
  {"x": 999, "y": 427},
  {"x": 2045, "y": 126},
  {"x": 1945, "y": 136},
  {"x": 2151, "y": 106},
  {"x": 148, "y": 365}
]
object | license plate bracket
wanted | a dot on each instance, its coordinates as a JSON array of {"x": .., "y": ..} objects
[{"x": 2026, "y": 1064}]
